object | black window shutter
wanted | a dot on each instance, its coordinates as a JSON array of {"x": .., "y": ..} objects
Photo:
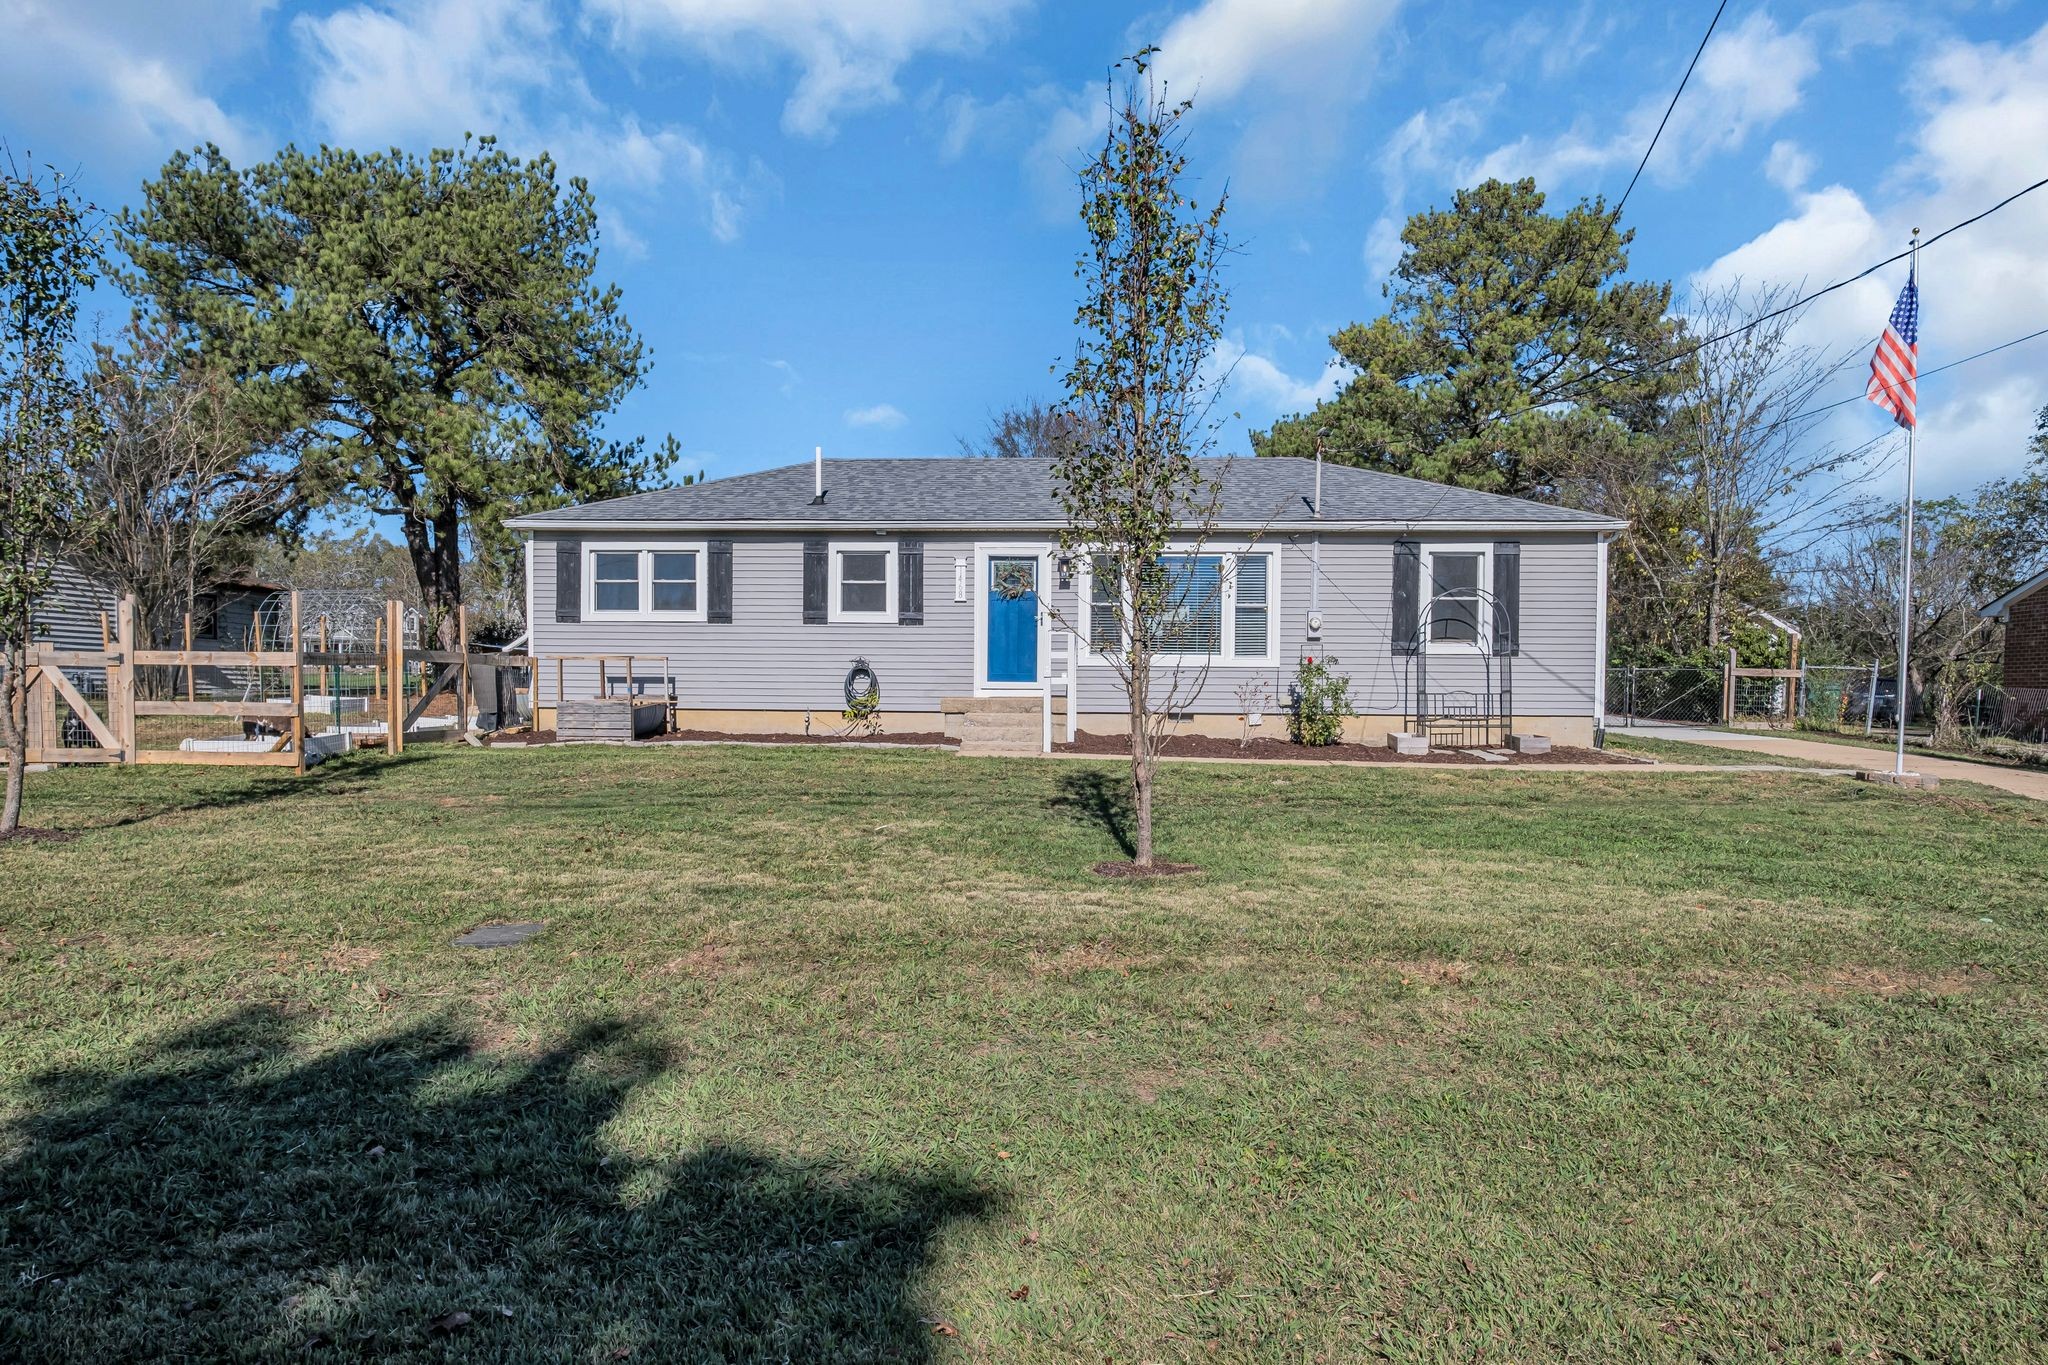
[
  {"x": 718, "y": 607},
  {"x": 568, "y": 580},
  {"x": 816, "y": 579},
  {"x": 910, "y": 583},
  {"x": 1507, "y": 597},
  {"x": 1407, "y": 595}
]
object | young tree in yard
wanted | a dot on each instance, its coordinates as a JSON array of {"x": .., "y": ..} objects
[
  {"x": 1482, "y": 372},
  {"x": 1142, "y": 387},
  {"x": 48, "y": 256},
  {"x": 430, "y": 323},
  {"x": 188, "y": 485}
]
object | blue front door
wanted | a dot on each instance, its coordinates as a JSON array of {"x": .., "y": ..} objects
[{"x": 1012, "y": 619}]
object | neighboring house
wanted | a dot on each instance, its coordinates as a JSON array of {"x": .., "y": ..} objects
[
  {"x": 752, "y": 598},
  {"x": 223, "y": 617},
  {"x": 2024, "y": 612}
]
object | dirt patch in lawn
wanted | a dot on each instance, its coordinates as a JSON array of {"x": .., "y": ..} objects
[
  {"x": 1120, "y": 868},
  {"x": 1210, "y": 746},
  {"x": 1893, "y": 981},
  {"x": 25, "y": 835}
]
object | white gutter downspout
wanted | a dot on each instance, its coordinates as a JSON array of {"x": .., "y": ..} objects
[
  {"x": 1600, "y": 645},
  {"x": 1315, "y": 557}
]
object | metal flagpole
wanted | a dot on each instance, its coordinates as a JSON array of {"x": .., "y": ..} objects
[{"x": 1906, "y": 526}]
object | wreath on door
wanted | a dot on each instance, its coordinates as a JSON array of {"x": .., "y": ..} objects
[{"x": 1013, "y": 582}]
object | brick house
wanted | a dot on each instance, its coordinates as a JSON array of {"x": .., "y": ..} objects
[{"x": 2024, "y": 612}]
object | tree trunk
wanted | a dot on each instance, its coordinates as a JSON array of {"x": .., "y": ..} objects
[
  {"x": 14, "y": 734},
  {"x": 1142, "y": 765},
  {"x": 435, "y": 547}
]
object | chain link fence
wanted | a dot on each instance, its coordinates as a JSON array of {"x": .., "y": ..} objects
[{"x": 1675, "y": 694}]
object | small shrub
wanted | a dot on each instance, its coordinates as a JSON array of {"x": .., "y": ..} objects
[{"x": 1322, "y": 699}]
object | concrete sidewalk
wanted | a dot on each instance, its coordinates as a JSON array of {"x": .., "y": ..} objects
[{"x": 2029, "y": 782}]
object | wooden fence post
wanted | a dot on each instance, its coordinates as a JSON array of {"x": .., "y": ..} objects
[
  {"x": 462, "y": 674},
  {"x": 1728, "y": 689},
  {"x": 298, "y": 690},
  {"x": 121, "y": 697},
  {"x": 190, "y": 693},
  {"x": 394, "y": 691}
]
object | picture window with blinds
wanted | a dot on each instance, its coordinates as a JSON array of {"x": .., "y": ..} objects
[{"x": 1215, "y": 605}]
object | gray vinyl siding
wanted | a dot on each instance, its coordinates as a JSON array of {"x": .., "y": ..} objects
[
  {"x": 767, "y": 659},
  {"x": 68, "y": 617},
  {"x": 1553, "y": 674}
]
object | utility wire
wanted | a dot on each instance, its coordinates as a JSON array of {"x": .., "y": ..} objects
[
  {"x": 1545, "y": 400},
  {"x": 1668, "y": 108},
  {"x": 1988, "y": 350}
]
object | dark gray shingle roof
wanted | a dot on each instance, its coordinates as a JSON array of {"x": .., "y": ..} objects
[{"x": 1018, "y": 493}]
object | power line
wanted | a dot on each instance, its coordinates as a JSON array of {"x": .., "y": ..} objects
[
  {"x": 1546, "y": 399},
  {"x": 1844, "y": 402},
  {"x": 1668, "y": 108}
]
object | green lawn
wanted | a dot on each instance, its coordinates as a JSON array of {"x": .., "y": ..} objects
[
  {"x": 1712, "y": 755},
  {"x": 848, "y": 1056}
]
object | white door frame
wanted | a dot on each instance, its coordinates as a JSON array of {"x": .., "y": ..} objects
[{"x": 983, "y": 552}]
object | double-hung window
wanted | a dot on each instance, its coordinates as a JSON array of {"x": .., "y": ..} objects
[
  {"x": 647, "y": 582},
  {"x": 863, "y": 582},
  {"x": 1214, "y": 605},
  {"x": 1456, "y": 604}
]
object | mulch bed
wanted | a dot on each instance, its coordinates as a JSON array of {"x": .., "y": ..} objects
[
  {"x": 725, "y": 737},
  {"x": 522, "y": 737},
  {"x": 24, "y": 834},
  {"x": 1209, "y": 746}
]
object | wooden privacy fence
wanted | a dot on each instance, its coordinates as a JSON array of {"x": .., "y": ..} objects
[{"x": 85, "y": 704}]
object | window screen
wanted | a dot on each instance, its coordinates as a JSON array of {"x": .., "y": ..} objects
[
  {"x": 615, "y": 580},
  {"x": 674, "y": 580},
  {"x": 1454, "y": 588},
  {"x": 864, "y": 580}
]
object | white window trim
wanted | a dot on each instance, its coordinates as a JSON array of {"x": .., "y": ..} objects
[
  {"x": 1425, "y": 590},
  {"x": 646, "y": 550},
  {"x": 837, "y": 615},
  {"x": 1084, "y": 578}
]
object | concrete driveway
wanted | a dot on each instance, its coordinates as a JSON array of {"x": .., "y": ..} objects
[{"x": 2030, "y": 782}]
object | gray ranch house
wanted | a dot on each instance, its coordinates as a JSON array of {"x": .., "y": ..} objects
[{"x": 750, "y": 600}]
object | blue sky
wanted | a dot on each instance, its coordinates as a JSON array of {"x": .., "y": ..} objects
[{"x": 850, "y": 222}]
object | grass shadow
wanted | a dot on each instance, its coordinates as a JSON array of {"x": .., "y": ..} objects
[
  {"x": 1099, "y": 798},
  {"x": 335, "y": 777},
  {"x": 225, "y": 1195}
]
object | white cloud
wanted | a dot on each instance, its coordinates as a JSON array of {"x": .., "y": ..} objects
[
  {"x": 1789, "y": 166},
  {"x": 1286, "y": 72},
  {"x": 1982, "y": 120},
  {"x": 1255, "y": 383},
  {"x": 1749, "y": 77},
  {"x": 126, "y": 77},
  {"x": 447, "y": 68},
  {"x": 884, "y": 415},
  {"x": 848, "y": 52}
]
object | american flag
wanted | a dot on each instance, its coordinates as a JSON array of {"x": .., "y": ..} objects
[{"x": 1896, "y": 367}]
